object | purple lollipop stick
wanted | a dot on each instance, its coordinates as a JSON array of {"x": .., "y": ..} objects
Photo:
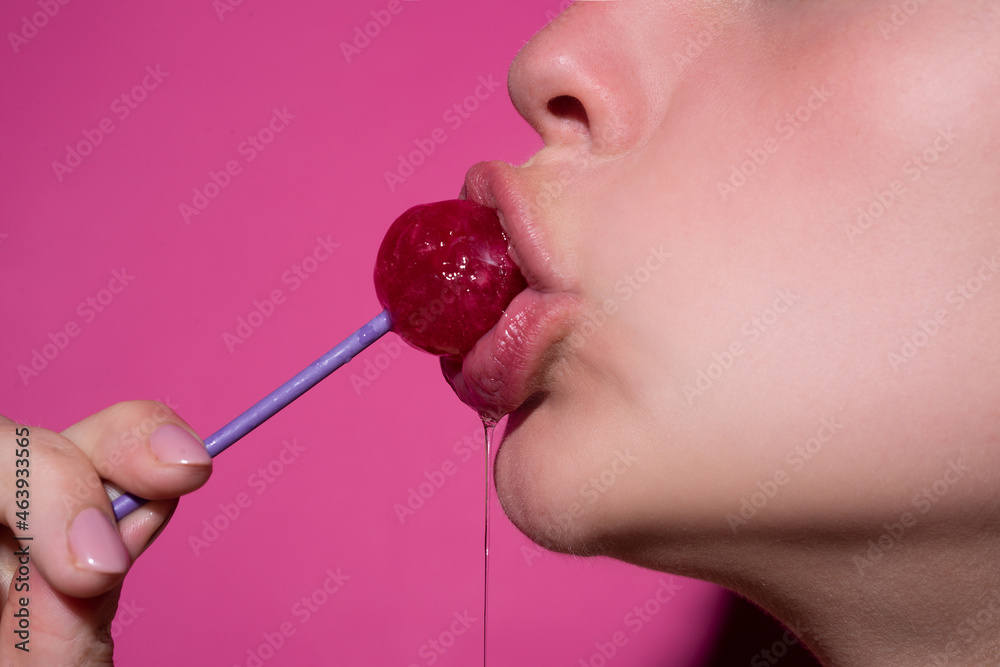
[{"x": 268, "y": 406}]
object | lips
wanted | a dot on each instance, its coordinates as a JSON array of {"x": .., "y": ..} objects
[{"x": 506, "y": 366}]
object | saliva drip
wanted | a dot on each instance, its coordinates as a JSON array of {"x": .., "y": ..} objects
[{"x": 488, "y": 425}]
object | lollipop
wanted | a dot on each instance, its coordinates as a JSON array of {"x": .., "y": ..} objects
[{"x": 443, "y": 276}]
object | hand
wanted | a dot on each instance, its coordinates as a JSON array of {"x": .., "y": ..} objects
[{"x": 70, "y": 573}]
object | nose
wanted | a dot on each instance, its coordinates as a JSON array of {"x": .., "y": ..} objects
[{"x": 584, "y": 79}]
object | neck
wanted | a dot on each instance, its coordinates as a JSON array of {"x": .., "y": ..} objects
[{"x": 929, "y": 595}]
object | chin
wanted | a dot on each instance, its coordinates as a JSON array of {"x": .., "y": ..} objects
[{"x": 562, "y": 476}]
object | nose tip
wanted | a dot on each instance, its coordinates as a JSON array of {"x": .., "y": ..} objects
[{"x": 577, "y": 81}]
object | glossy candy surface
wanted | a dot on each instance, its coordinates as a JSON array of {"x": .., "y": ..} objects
[{"x": 444, "y": 275}]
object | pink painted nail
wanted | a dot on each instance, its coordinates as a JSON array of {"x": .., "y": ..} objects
[
  {"x": 172, "y": 444},
  {"x": 96, "y": 543}
]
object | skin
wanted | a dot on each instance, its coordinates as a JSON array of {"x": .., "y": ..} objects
[
  {"x": 723, "y": 404},
  {"x": 73, "y": 604},
  {"x": 836, "y": 380}
]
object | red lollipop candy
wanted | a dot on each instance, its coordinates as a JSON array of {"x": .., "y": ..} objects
[
  {"x": 444, "y": 275},
  {"x": 444, "y": 278}
]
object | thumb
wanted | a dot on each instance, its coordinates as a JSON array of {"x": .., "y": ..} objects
[{"x": 41, "y": 626}]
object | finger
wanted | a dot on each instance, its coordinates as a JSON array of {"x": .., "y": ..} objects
[
  {"x": 45, "y": 627},
  {"x": 144, "y": 448},
  {"x": 50, "y": 492}
]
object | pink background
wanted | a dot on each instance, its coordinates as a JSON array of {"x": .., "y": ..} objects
[{"x": 364, "y": 446}]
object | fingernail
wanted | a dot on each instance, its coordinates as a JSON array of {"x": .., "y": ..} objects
[
  {"x": 96, "y": 543},
  {"x": 172, "y": 444}
]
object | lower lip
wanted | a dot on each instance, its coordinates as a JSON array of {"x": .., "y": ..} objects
[{"x": 497, "y": 374}]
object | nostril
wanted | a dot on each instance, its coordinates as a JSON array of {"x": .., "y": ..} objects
[{"x": 567, "y": 107}]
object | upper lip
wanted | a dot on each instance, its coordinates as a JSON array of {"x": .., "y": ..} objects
[{"x": 503, "y": 369}]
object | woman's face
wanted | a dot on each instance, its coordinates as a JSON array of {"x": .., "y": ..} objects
[{"x": 762, "y": 241}]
